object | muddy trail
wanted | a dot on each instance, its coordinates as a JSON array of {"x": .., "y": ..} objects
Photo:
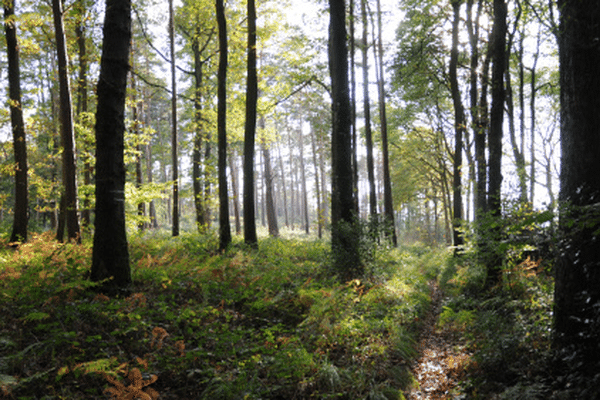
[{"x": 442, "y": 361}]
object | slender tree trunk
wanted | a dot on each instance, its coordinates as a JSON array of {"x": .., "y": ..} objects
[
  {"x": 250, "y": 131},
  {"x": 67, "y": 134},
  {"x": 352, "y": 37},
  {"x": 82, "y": 103},
  {"x": 224, "y": 227},
  {"x": 174, "y": 143},
  {"x": 577, "y": 287},
  {"x": 388, "y": 202},
  {"x": 235, "y": 191},
  {"x": 110, "y": 255},
  {"x": 19, "y": 229},
  {"x": 138, "y": 160},
  {"x": 344, "y": 237},
  {"x": 269, "y": 200},
  {"x": 459, "y": 130},
  {"x": 532, "y": 112},
  {"x": 317, "y": 185},
  {"x": 304, "y": 203},
  {"x": 149, "y": 178},
  {"x": 367, "y": 113},
  {"x": 283, "y": 187},
  {"x": 199, "y": 195}
]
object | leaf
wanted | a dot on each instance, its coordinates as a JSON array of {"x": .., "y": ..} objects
[{"x": 36, "y": 316}]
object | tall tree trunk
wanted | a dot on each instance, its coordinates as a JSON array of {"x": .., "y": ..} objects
[
  {"x": 250, "y": 131},
  {"x": 67, "y": 134},
  {"x": 367, "y": 113},
  {"x": 174, "y": 143},
  {"x": 82, "y": 102},
  {"x": 352, "y": 37},
  {"x": 496, "y": 131},
  {"x": 19, "y": 229},
  {"x": 283, "y": 187},
  {"x": 459, "y": 130},
  {"x": 344, "y": 238},
  {"x": 141, "y": 207},
  {"x": 110, "y": 255},
  {"x": 317, "y": 185},
  {"x": 235, "y": 200},
  {"x": 224, "y": 227},
  {"x": 388, "y": 202},
  {"x": 199, "y": 195},
  {"x": 532, "y": 112},
  {"x": 304, "y": 202},
  {"x": 481, "y": 206},
  {"x": 577, "y": 287},
  {"x": 149, "y": 178},
  {"x": 269, "y": 200}
]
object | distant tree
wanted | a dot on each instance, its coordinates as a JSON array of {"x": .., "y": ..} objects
[
  {"x": 577, "y": 287},
  {"x": 69, "y": 167},
  {"x": 224, "y": 226},
  {"x": 110, "y": 255},
  {"x": 250, "y": 130},
  {"x": 19, "y": 231},
  {"x": 344, "y": 235}
]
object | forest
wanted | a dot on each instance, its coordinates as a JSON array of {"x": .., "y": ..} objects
[{"x": 353, "y": 199}]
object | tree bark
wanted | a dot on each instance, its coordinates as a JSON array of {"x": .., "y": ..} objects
[
  {"x": 367, "y": 113},
  {"x": 269, "y": 179},
  {"x": 110, "y": 255},
  {"x": 174, "y": 143},
  {"x": 317, "y": 185},
  {"x": 224, "y": 226},
  {"x": 82, "y": 103},
  {"x": 495, "y": 134},
  {"x": 388, "y": 202},
  {"x": 577, "y": 285},
  {"x": 199, "y": 197},
  {"x": 250, "y": 131},
  {"x": 459, "y": 131},
  {"x": 344, "y": 236},
  {"x": 67, "y": 135},
  {"x": 19, "y": 229},
  {"x": 135, "y": 109}
]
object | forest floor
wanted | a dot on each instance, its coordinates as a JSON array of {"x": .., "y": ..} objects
[
  {"x": 272, "y": 323},
  {"x": 443, "y": 358}
]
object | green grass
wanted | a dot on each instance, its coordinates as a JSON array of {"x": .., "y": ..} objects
[{"x": 249, "y": 324}]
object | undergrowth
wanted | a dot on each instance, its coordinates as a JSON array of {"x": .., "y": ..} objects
[
  {"x": 508, "y": 327},
  {"x": 270, "y": 323}
]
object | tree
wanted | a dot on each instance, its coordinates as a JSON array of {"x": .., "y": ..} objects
[
  {"x": 498, "y": 51},
  {"x": 224, "y": 226},
  {"x": 344, "y": 235},
  {"x": 69, "y": 167},
  {"x": 388, "y": 202},
  {"x": 110, "y": 255},
  {"x": 577, "y": 288},
  {"x": 459, "y": 129},
  {"x": 19, "y": 231},
  {"x": 250, "y": 130},
  {"x": 367, "y": 113},
  {"x": 174, "y": 151}
]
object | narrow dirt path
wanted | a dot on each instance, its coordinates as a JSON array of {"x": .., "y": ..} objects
[{"x": 442, "y": 361}]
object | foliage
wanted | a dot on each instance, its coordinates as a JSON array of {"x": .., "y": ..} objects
[
  {"x": 267, "y": 323},
  {"x": 508, "y": 327}
]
